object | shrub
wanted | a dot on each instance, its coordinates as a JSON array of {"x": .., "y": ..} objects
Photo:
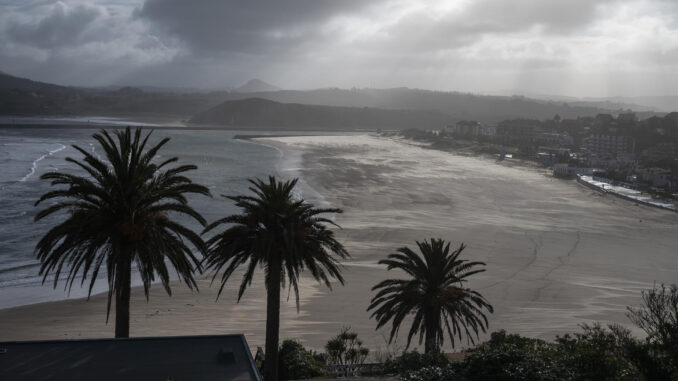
[
  {"x": 296, "y": 363},
  {"x": 431, "y": 373},
  {"x": 658, "y": 317},
  {"x": 597, "y": 354},
  {"x": 512, "y": 357},
  {"x": 657, "y": 356},
  {"x": 346, "y": 349},
  {"x": 413, "y": 361}
]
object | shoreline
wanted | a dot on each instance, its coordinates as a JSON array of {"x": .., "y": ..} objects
[
  {"x": 599, "y": 186},
  {"x": 188, "y": 127},
  {"x": 557, "y": 254}
]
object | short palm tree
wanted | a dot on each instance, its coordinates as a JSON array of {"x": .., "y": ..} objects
[
  {"x": 121, "y": 213},
  {"x": 434, "y": 294},
  {"x": 282, "y": 235}
]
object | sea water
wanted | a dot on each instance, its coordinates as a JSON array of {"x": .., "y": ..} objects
[{"x": 224, "y": 165}]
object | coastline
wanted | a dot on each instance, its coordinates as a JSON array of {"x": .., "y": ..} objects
[
  {"x": 557, "y": 254},
  {"x": 630, "y": 195}
]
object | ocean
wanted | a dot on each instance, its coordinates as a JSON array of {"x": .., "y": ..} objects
[{"x": 224, "y": 165}]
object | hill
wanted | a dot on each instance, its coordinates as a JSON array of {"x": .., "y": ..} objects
[
  {"x": 24, "y": 96},
  {"x": 20, "y": 96},
  {"x": 257, "y": 112},
  {"x": 256, "y": 86},
  {"x": 459, "y": 106}
]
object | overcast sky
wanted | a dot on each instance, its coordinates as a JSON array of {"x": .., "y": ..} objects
[{"x": 568, "y": 47}]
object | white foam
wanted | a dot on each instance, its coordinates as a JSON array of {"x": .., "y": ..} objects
[{"x": 34, "y": 166}]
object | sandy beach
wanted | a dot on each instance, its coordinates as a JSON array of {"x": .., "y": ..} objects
[{"x": 557, "y": 253}]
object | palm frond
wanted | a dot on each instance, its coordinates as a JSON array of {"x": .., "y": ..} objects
[
  {"x": 431, "y": 295},
  {"x": 274, "y": 226},
  {"x": 119, "y": 214}
]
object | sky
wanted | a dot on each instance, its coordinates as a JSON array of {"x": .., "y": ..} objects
[{"x": 582, "y": 48}]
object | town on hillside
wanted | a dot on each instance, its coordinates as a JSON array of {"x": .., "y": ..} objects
[{"x": 620, "y": 150}]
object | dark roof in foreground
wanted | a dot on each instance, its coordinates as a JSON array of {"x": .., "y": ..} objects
[{"x": 182, "y": 358}]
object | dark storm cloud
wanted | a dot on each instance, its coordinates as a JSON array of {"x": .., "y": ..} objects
[
  {"x": 211, "y": 27},
  {"x": 273, "y": 27},
  {"x": 61, "y": 27},
  {"x": 470, "y": 45}
]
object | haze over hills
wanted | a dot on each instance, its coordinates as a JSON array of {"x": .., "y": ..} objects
[
  {"x": 257, "y": 112},
  {"x": 660, "y": 103},
  {"x": 20, "y": 96},
  {"x": 256, "y": 85},
  {"x": 459, "y": 106}
]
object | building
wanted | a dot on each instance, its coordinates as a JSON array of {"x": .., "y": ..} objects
[
  {"x": 468, "y": 129},
  {"x": 610, "y": 145},
  {"x": 488, "y": 130},
  {"x": 196, "y": 358},
  {"x": 557, "y": 139},
  {"x": 518, "y": 132},
  {"x": 655, "y": 177},
  {"x": 551, "y": 155},
  {"x": 566, "y": 171},
  {"x": 660, "y": 152}
]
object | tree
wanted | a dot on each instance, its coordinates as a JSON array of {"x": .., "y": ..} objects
[
  {"x": 119, "y": 214},
  {"x": 282, "y": 235},
  {"x": 434, "y": 294},
  {"x": 658, "y": 317},
  {"x": 346, "y": 350}
]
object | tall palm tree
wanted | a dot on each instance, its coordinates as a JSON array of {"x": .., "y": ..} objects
[
  {"x": 434, "y": 294},
  {"x": 121, "y": 213},
  {"x": 282, "y": 235}
]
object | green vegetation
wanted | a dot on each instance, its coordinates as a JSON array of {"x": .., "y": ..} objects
[
  {"x": 346, "y": 349},
  {"x": 117, "y": 215},
  {"x": 596, "y": 353},
  {"x": 282, "y": 235},
  {"x": 434, "y": 295},
  {"x": 298, "y": 363},
  {"x": 412, "y": 361},
  {"x": 658, "y": 317}
]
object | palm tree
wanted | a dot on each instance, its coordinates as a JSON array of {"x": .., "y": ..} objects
[
  {"x": 119, "y": 214},
  {"x": 434, "y": 294},
  {"x": 282, "y": 235}
]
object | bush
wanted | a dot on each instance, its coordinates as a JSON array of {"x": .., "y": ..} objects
[
  {"x": 657, "y": 356},
  {"x": 512, "y": 357},
  {"x": 658, "y": 317},
  {"x": 296, "y": 363},
  {"x": 431, "y": 373},
  {"x": 597, "y": 354},
  {"x": 346, "y": 349},
  {"x": 413, "y": 361}
]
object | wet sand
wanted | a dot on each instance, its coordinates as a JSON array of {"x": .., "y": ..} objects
[{"x": 557, "y": 253}]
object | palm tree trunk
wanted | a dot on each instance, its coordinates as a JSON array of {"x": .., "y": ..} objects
[
  {"x": 430, "y": 345},
  {"x": 272, "y": 319},
  {"x": 122, "y": 297}
]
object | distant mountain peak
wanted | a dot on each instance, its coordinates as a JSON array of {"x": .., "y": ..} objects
[{"x": 256, "y": 85}]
